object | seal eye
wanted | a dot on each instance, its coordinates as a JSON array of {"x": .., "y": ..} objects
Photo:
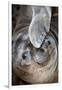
[
  {"x": 49, "y": 42},
  {"x": 24, "y": 55}
]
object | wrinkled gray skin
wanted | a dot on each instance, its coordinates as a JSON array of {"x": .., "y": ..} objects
[{"x": 39, "y": 25}]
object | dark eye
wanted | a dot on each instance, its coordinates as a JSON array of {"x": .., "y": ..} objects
[
  {"x": 49, "y": 42},
  {"x": 27, "y": 55},
  {"x": 24, "y": 55}
]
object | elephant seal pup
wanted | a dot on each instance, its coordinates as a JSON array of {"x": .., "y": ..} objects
[{"x": 29, "y": 64}]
